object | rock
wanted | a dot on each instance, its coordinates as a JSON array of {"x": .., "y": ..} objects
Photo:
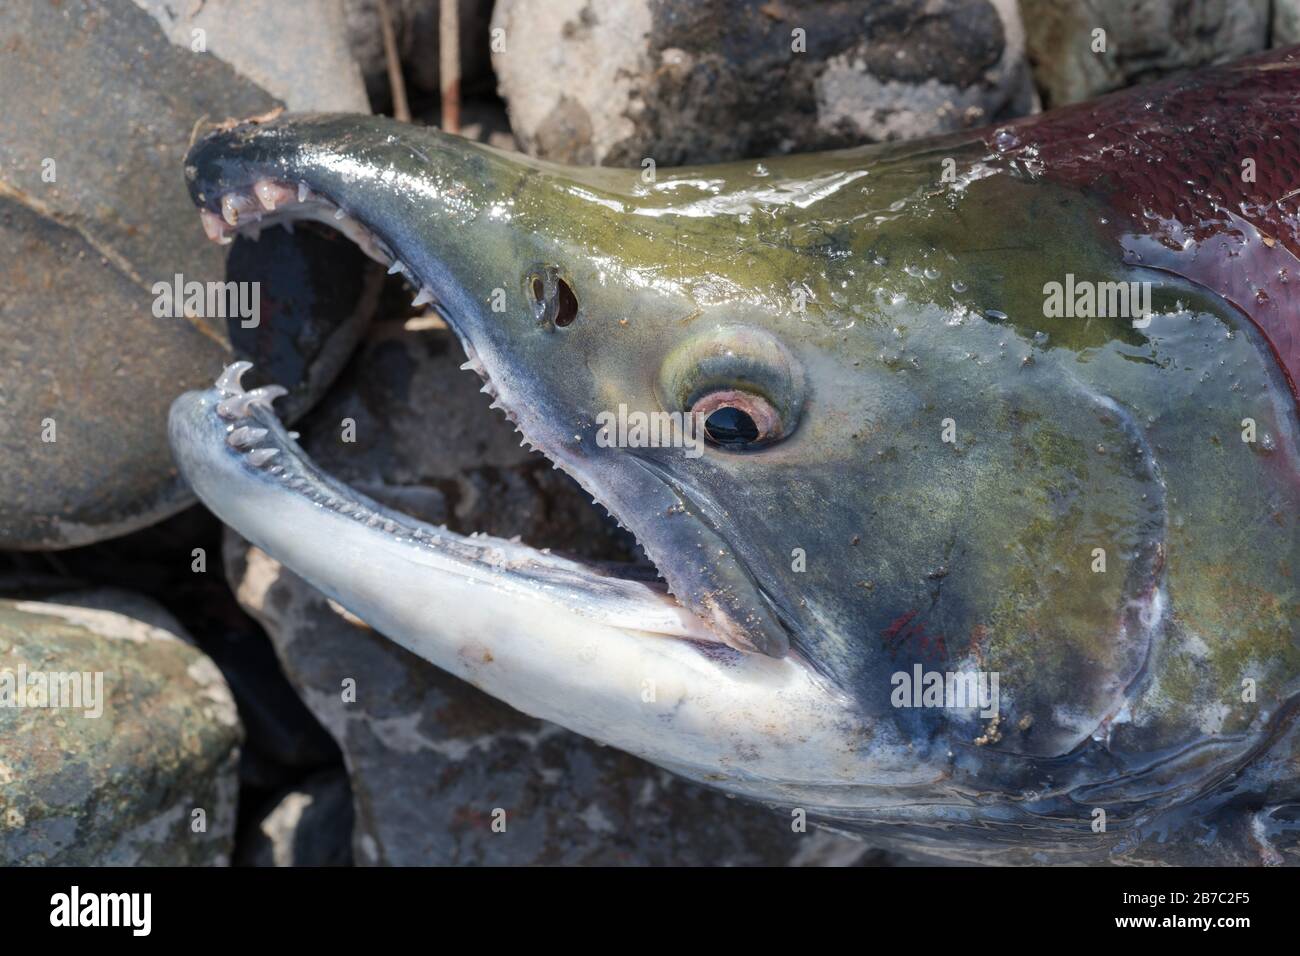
[
  {"x": 318, "y": 70},
  {"x": 415, "y": 28},
  {"x": 429, "y": 757},
  {"x": 143, "y": 771},
  {"x": 685, "y": 81},
  {"x": 308, "y": 825},
  {"x": 1286, "y": 22},
  {"x": 176, "y": 563},
  {"x": 95, "y": 224},
  {"x": 1144, "y": 40}
]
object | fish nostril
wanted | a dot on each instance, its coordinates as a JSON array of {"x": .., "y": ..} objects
[
  {"x": 554, "y": 302},
  {"x": 566, "y": 304}
]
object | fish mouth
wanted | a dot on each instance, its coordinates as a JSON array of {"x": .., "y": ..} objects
[
  {"x": 243, "y": 440},
  {"x": 241, "y": 195}
]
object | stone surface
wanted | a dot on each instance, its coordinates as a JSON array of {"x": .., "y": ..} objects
[
  {"x": 685, "y": 81},
  {"x": 1144, "y": 40},
  {"x": 1286, "y": 22},
  {"x": 123, "y": 787},
  {"x": 177, "y": 564},
  {"x": 429, "y": 757},
  {"x": 307, "y": 825},
  {"x": 316, "y": 72},
  {"x": 98, "y": 109}
]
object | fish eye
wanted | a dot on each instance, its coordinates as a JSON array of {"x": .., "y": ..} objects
[
  {"x": 736, "y": 420},
  {"x": 739, "y": 383}
]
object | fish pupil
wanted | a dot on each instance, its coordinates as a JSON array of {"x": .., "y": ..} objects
[{"x": 729, "y": 425}]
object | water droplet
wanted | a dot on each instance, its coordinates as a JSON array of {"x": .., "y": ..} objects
[
  {"x": 1005, "y": 139},
  {"x": 958, "y": 286}
]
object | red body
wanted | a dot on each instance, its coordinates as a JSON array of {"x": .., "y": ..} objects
[{"x": 1203, "y": 175}]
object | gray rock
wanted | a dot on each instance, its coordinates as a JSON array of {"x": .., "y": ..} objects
[
  {"x": 283, "y": 742},
  {"x": 430, "y": 758},
  {"x": 307, "y": 825},
  {"x": 1144, "y": 40},
  {"x": 298, "y": 52},
  {"x": 1286, "y": 22},
  {"x": 98, "y": 109},
  {"x": 144, "y": 774},
  {"x": 683, "y": 81}
]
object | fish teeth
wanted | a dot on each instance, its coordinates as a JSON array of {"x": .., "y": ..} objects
[
  {"x": 228, "y": 382},
  {"x": 233, "y": 205},
  {"x": 396, "y": 267},
  {"x": 238, "y": 406},
  {"x": 424, "y": 296},
  {"x": 260, "y": 456},
  {"x": 303, "y": 192},
  {"x": 271, "y": 194},
  {"x": 244, "y": 436},
  {"x": 214, "y": 227}
]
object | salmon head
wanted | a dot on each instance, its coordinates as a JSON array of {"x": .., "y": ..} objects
[{"x": 968, "y": 466}]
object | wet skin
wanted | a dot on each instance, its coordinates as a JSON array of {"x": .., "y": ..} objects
[{"x": 950, "y": 478}]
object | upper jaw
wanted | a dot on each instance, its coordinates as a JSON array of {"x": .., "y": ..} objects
[{"x": 390, "y": 187}]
